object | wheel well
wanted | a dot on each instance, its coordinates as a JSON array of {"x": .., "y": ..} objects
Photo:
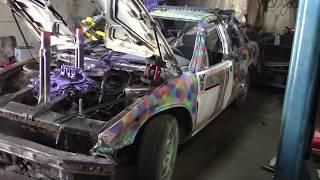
[{"x": 184, "y": 122}]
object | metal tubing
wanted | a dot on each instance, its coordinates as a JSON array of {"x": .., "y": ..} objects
[
  {"x": 79, "y": 62},
  {"x": 80, "y": 107},
  {"x": 300, "y": 93},
  {"x": 44, "y": 63}
]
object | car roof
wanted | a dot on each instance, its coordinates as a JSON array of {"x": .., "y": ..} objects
[{"x": 191, "y": 14}]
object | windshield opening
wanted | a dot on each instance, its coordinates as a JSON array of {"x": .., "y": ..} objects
[{"x": 181, "y": 36}]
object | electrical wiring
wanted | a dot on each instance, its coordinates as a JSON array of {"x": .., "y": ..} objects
[
  {"x": 293, "y": 12},
  {"x": 117, "y": 99},
  {"x": 284, "y": 6},
  {"x": 275, "y": 3},
  {"x": 260, "y": 15},
  {"x": 284, "y": 10},
  {"x": 123, "y": 92}
]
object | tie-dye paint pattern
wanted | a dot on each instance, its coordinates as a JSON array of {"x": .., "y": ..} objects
[
  {"x": 198, "y": 57},
  {"x": 197, "y": 62},
  {"x": 179, "y": 92},
  {"x": 215, "y": 79}
]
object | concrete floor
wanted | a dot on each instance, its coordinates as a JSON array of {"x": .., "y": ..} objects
[
  {"x": 236, "y": 144},
  {"x": 233, "y": 146}
]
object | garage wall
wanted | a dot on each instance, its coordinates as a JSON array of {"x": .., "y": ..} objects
[
  {"x": 276, "y": 19},
  {"x": 72, "y": 10},
  {"x": 279, "y": 16},
  {"x": 8, "y": 28}
]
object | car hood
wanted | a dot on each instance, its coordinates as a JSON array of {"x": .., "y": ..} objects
[
  {"x": 39, "y": 15},
  {"x": 131, "y": 29}
]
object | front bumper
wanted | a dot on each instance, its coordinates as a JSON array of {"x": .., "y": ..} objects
[{"x": 53, "y": 163}]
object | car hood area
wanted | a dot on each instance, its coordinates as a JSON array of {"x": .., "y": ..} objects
[
  {"x": 129, "y": 27},
  {"x": 39, "y": 15}
]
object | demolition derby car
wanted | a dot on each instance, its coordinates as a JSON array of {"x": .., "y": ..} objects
[{"x": 158, "y": 78}]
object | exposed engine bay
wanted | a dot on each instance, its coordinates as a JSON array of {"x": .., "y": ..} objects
[
  {"x": 78, "y": 102},
  {"x": 67, "y": 96}
]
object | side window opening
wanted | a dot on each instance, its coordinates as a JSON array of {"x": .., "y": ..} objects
[
  {"x": 234, "y": 38},
  {"x": 187, "y": 46},
  {"x": 181, "y": 36},
  {"x": 214, "y": 46}
]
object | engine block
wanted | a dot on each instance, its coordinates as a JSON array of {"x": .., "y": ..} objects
[{"x": 66, "y": 81}]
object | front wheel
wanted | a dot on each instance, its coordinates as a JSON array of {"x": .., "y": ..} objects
[{"x": 158, "y": 148}]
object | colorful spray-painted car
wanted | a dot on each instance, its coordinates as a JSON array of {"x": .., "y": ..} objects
[{"x": 159, "y": 77}]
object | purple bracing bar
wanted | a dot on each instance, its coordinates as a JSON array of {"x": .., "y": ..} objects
[
  {"x": 79, "y": 62},
  {"x": 45, "y": 61}
]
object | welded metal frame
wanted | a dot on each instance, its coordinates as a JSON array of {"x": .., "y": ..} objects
[
  {"x": 300, "y": 95},
  {"x": 44, "y": 66},
  {"x": 79, "y": 49},
  {"x": 55, "y": 163}
]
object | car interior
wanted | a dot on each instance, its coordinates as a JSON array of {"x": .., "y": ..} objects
[
  {"x": 187, "y": 46},
  {"x": 214, "y": 47}
]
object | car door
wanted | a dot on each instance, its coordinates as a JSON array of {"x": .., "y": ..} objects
[{"x": 216, "y": 77}]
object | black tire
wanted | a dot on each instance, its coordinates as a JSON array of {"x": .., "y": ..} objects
[
  {"x": 254, "y": 53},
  {"x": 242, "y": 97},
  {"x": 158, "y": 148}
]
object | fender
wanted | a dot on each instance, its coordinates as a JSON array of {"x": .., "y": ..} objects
[{"x": 179, "y": 92}]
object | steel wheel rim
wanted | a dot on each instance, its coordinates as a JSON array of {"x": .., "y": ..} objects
[
  {"x": 244, "y": 88},
  {"x": 167, "y": 163}
]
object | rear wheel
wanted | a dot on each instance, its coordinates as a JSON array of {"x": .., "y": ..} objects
[
  {"x": 244, "y": 88},
  {"x": 158, "y": 149}
]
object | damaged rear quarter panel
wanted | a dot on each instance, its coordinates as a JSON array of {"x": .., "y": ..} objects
[{"x": 179, "y": 92}]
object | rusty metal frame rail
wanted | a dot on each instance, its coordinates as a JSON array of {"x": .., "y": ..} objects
[{"x": 60, "y": 161}]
